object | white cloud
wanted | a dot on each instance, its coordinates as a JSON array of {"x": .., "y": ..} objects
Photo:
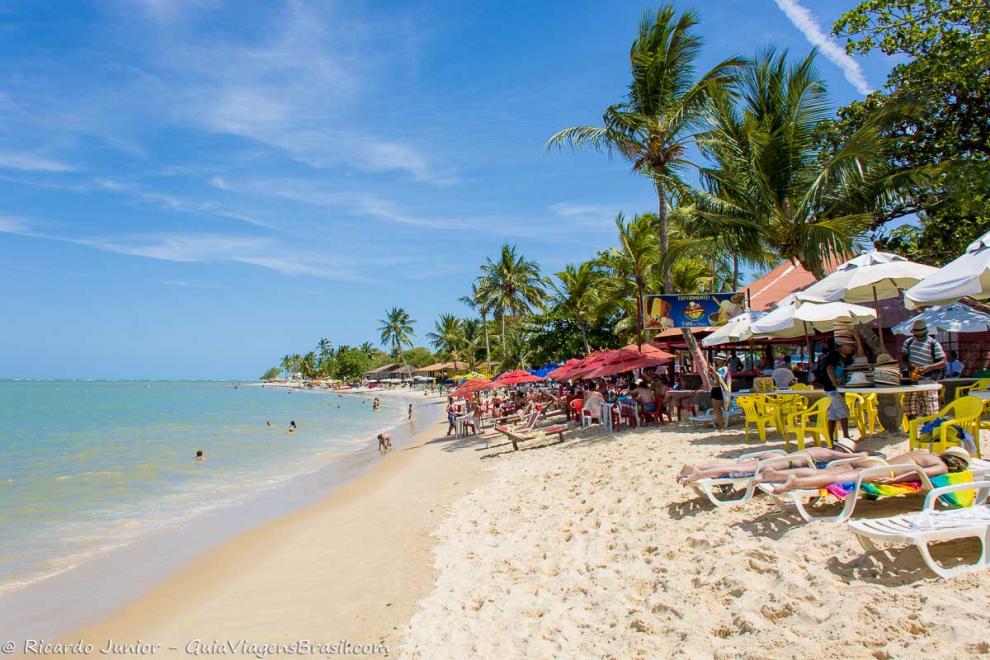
[
  {"x": 217, "y": 182},
  {"x": 203, "y": 248},
  {"x": 12, "y": 160},
  {"x": 804, "y": 21}
]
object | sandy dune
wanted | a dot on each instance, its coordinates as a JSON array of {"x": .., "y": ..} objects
[{"x": 588, "y": 548}]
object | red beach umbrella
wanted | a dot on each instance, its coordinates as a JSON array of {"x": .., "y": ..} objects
[
  {"x": 515, "y": 378},
  {"x": 471, "y": 386},
  {"x": 564, "y": 368}
]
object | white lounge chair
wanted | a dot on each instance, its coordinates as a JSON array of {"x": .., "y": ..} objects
[
  {"x": 929, "y": 526},
  {"x": 708, "y": 487},
  {"x": 797, "y": 497}
]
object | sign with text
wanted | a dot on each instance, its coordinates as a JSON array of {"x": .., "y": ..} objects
[{"x": 691, "y": 310}]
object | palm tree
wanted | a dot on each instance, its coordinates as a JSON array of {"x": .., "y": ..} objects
[
  {"x": 772, "y": 184},
  {"x": 368, "y": 349},
  {"x": 577, "y": 296},
  {"x": 478, "y": 301},
  {"x": 446, "y": 335},
  {"x": 511, "y": 286},
  {"x": 287, "y": 365},
  {"x": 632, "y": 266},
  {"x": 396, "y": 330},
  {"x": 470, "y": 337},
  {"x": 653, "y": 126}
]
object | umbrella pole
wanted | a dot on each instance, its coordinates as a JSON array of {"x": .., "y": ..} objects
[
  {"x": 807, "y": 342},
  {"x": 879, "y": 324}
]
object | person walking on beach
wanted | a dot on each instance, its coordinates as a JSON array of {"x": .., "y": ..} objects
[
  {"x": 410, "y": 412},
  {"x": 451, "y": 415}
]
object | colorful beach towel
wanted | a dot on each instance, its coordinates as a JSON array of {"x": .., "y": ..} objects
[{"x": 958, "y": 499}]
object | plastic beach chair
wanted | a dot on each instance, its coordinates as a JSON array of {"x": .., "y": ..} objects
[
  {"x": 929, "y": 526},
  {"x": 813, "y": 421},
  {"x": 964, "y": 412}
]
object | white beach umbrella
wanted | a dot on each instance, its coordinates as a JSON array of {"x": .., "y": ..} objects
[
  {"x": 870, "y": 277},
  {"x": 802, "y": 318},
  {"x": 969, "y": 275},
  {"x": 955, "y": 317},
  {"x": 736, "y": 329}
]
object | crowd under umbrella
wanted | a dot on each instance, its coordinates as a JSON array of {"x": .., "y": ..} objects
[
  {"x": 738, "y": 328},
  {"x": 969, "y": 275},
  {"x": 870, "y": 277}
]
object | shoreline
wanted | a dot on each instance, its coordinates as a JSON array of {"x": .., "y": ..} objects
[
  {"x": 51, "y": 604},
  {"x": 350, "y": 567}
]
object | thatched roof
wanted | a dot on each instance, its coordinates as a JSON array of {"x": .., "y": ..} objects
[{"x": 455, "y": 365}]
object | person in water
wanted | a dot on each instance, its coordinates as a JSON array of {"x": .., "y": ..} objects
[
  {"x": 268, "y": 423},
  {"x": 292, "y": 426},
  {"x": 200, "y": 456},
  {"x": 410, "y": 411}
]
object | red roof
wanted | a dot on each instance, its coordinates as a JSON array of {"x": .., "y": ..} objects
[{"x": 779, "y": 282}]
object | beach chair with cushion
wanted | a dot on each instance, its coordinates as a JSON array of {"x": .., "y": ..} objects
[
  {"x": 522, "y": 429},
  {"x": 931, "y": 526},
  {"x": 964, "y": 412},
  {"x": 851, "y": 492}
]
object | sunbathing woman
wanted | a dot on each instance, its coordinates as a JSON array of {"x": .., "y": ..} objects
[
  {"x": 820, "y": 455},
  {"x": 953, "y": 459}
]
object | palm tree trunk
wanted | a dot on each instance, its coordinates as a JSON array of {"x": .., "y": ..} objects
[
  {"x": 639, "y": 312},
  {"x": 584, "y": 336},
  {"x": 488, "y": 346},
  {"x": 735, "y": 271},
  {"x": 698, "y": 357},
  {"x": 503, "y": 335},
  {"x": 662, "y": 228}
]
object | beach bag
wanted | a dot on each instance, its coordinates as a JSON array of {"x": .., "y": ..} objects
[{"x": 956, "y": 434}]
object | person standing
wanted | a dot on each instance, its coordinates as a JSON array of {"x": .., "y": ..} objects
[
  {"x": 923, "y": 355},
  {"x": 721, "y": 390},
  {"x": 410, "y": 412},
  {"x": 831, "y": 369}
]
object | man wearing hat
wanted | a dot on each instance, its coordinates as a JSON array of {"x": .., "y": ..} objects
[
  {"x": 838, "y": 357},
  {"x": 923, "y": 353}
]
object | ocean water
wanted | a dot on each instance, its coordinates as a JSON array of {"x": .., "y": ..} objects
[{"x": 87, "y": 467}]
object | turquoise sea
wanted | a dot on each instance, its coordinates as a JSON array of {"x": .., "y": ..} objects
[{"x": 86, "y": 467}]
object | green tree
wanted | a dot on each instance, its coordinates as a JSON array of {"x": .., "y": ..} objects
[
  {"x": 944, "y": 55},
  {"x": 351, "y": 363},
  {"x": 271, "y": 374},
  {"x": 418, "y": 357},
  {"x": 396, "y": 330},
  {"x": 577, "y": 296},
  {"x": 446, "y": 335},
  {"x": 476, "y": 300},
  {"x": 511, "y": 286},
  {"x": 770, "y": 183},
  {"x": 307, "y": 365},
  {"x": 654, "y": 125},
  {"x": 324, "y": 357},
  {"x": 469, "y": 341},
  {"x": 630, "y": 269}
]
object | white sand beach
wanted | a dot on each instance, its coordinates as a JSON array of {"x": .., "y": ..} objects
[{"x": 589, "y": 549}]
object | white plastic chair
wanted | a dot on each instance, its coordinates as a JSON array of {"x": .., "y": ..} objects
[{"x": 929, "y": 526}]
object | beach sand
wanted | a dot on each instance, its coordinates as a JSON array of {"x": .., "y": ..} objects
[
  {"x": 350, "y": 568},
  {"x": 589, "y": 549}
]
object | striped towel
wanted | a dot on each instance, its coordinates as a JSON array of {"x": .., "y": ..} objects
[{"x": 962, "y": 498}]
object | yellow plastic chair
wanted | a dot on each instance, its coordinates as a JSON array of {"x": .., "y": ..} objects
[
  {"x": 801, "y": 386},
  {"x": 857, "y": 411},
  {"x": 981, "y": 385},
  {"x": 764, "y": 385},
  {"x": 964, "y": 412},
  {"x": 813, "y": 421},
  {"x": 755, "y": 413},
  {"x": 787, "y": 406},
  {"x": 872, "y": 409}
]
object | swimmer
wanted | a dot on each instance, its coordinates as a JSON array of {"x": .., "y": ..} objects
[
  {"x": 292, "y": 427},
  {"x": 268, "y": 423},
  {"x": 200, "y": 456}
]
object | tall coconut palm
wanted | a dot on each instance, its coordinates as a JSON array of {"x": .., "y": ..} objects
[
  {"x": 446, "y": 335},
  {"x": 577, "y": 295},
  {"x": 653, "y": 126},
  {"x": 396, "y": 330},
  {"x": 511, "y": 286},
  {"x": 769, "y": 179},
  {"x": 469, "y": 340},
  {"x": 632, "y": 266},
  {"x": 478, "y": 301}
]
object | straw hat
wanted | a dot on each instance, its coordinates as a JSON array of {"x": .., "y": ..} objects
[
  {"x": 884, "y": 358},
  {"x": 845, "y": 444},
  {"x": 844, "y": 334},
  {"x": 859, "y": 379},
  {"x": 959, "y": 453},
  {"x": 919, "y": 325}
]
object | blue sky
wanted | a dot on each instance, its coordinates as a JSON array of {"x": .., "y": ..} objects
[{"x": 193, "y": 189}]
